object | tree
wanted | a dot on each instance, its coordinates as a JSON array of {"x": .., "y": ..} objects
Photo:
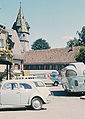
[
  {"x": 40, "y": 44},
  {"x": 80, "y": 56},
  {"x": 74, "y": 42},
  {"x": 82, "y": 36}
]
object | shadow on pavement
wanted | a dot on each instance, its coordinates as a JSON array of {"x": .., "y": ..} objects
[
  {"x": 63, "y": 93},
  {"x": 58, "y": 93},
  {"x": 19, "y": 109},
  {"x": 13, "y": 109}
]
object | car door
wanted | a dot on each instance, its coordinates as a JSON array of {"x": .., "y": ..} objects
[
  {"x": 25, "y": 92},
  {"x": 10, "y": 94}
]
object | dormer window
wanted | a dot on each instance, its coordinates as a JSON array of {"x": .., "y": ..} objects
[{"x": 1, "y": 43}]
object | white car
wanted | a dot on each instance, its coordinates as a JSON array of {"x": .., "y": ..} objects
[{"x": 31, "y": 92}]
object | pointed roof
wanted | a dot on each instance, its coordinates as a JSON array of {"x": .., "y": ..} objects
[{"x": 21, "y": 25}]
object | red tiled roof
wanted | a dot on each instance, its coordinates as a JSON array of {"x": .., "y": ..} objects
[{"x": 50, "y": 56}]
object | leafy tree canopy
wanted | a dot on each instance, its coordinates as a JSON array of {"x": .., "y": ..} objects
[
  {"x": 82, "y": 36},
  {"x": 78, "y": 42},
  {"x": 80, "y": 57},
  {"x": 74, "y": 42},
  {"x": 40, "y": 44}
]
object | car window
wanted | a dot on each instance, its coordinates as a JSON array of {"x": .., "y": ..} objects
[
  {"x": 53, "y": 75},
  {"x": 39, "y": 84},
  {"x": 76, "y": 83},
  {"x": 14, "y": 86},
  {"x": 25, "y": 86},
  {"x": 10, "y": 86}
]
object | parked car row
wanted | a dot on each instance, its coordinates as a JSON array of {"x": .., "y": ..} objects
[{"x": 50, "y": 77}]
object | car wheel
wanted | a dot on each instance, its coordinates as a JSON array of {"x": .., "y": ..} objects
[
  {"x": 36, "y": 103},
  {"x": 55, "y": 83}
]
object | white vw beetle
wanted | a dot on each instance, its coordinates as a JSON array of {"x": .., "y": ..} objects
[{"x": 30, "y": 92}]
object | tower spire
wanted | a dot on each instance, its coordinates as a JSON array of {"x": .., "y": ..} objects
[
  {"x": 20, "y": 3},
  {"x": 21, "y": 25},
  {"x": 22, "y": 28}
]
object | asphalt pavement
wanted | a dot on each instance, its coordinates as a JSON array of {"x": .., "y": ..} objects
[{"x": 61, "y": 106}]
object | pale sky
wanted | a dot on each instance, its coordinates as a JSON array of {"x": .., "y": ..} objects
[{"x": 56, "y": 21}]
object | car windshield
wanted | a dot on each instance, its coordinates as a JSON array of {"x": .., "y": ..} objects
[
  {"x": 70, "y": 73},
  {"x": 10, "y": 86},
  {"x": 39, "y": 84},
  {"x": 53, "y": 75}
]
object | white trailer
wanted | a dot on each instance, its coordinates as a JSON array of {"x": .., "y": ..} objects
[{"x": 73, "y": 77}]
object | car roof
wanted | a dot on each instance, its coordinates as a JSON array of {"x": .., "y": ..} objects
[{"x": 21, "y": 80}]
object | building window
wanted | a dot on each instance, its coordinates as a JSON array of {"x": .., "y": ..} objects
[
  {"x": 1, "y": 43},
  {"x": 17, "y": 67}
]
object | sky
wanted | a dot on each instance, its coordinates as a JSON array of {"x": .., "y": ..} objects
[{"x": 56, "y": 21}]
